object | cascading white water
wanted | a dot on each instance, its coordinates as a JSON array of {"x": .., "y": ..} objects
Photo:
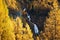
[
  {"x": 35, "y": 26},
  {"x": 28, "y": 16},
  {"x": 36, "y": 29}
]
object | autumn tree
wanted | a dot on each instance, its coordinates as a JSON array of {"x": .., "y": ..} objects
[{"x": 6, "y": 26}]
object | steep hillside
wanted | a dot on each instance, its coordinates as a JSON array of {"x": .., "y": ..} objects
[{"x": 17, "y": 19}]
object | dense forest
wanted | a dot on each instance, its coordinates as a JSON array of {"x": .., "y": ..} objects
[{"x": 29, "y": 20}]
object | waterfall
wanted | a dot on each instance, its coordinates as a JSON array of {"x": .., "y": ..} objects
[
  {"x": 35, "y": 27},
  {"x": 36, "y": 30},
  {"x": 28, "y": 16}
]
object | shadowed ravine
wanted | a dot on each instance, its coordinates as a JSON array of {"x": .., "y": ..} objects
[
  {"x": 33, "y": 16},
  {"x": 39, "y": 17},
  {"x": 29, "y": 19}
]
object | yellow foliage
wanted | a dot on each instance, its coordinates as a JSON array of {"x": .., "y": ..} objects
[
  {"x": 12, "y": 29},
  {"x": 6, "y": 25},
  {"x": 52, "y": 25},
  {"x": 12, "y": 4},
  {"x": 21, "y": 32}
]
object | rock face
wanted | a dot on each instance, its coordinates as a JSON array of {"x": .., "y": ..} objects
[
  {"x": 38, "y": 16},
  {"x": 40, "y": 11}
]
